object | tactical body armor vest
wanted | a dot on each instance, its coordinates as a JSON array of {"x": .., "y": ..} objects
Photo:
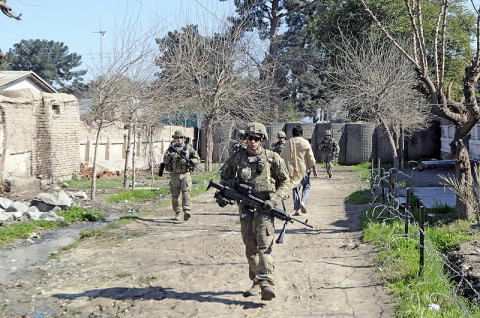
[
  {"x": 176, "y": 164},
  {"x": 254, "y": 171}
]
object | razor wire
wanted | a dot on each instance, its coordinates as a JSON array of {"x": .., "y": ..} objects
[{"x": 453, "y": 285}]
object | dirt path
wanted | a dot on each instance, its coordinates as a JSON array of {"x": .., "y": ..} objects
[{"x": 155, "y": 267}]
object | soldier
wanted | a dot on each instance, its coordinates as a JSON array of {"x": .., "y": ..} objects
[
  {"x": 330, "y": 147},
  {"x": 264, "y": 171},
  {"x": 240, "y": 143},
  {"x": 180, "y": 179},
  {"x": 282, "y": 139}
]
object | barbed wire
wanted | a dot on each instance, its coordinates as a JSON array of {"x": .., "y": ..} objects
[{"x": 387, "y": 221}]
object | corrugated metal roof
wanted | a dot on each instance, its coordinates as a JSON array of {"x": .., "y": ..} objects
[{"x": 8, "y": 77}]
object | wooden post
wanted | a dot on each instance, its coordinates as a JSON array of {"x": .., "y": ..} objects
[
  {"x": 372, "y": 175},
  {"x": 422, "y": 239},
  {"x": 382, "y": 187},
  {"x": 392, "y": 197},
  {"x": 407, "y": 210}
]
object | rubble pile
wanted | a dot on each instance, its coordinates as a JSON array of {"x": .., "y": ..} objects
[{"x": 44, "y": 206}]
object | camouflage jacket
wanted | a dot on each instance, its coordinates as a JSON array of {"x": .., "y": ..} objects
[
  {"x": 265, "y": 173},
  {"x": 238, "y": 144},
  {"x": 329, "y": 146},
  {"x": 174, "y": 163},
  {"x": 278, "y": 146}
]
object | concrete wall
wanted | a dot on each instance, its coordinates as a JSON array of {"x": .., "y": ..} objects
[{"x": 447, "y": 133}]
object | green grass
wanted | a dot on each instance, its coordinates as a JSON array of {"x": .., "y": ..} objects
[
  {"x": 359, "y": 197},
  {"x": 11, "y": 231},
  {"x": 398, "y": 261},
  {"x": 79, "y": 214},
  {"x": 136, "y": 195},
  {"x": 362, "y": 170},
  {"x": 84, "y": 183}
]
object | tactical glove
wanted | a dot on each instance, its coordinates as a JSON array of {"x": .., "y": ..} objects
[
  {"x": 268, "y": 205},
  {"x": 221, "y": 199}
]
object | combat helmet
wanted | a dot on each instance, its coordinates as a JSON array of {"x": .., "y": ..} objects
[
  {"x": 256, "y": 128},
  {"x": 281, "y": 134},
  {"x": 180, "y": 132},
  {"x": 328, "y": 133}
]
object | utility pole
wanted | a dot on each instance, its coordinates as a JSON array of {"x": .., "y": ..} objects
[{"x": 102, "y": 33}]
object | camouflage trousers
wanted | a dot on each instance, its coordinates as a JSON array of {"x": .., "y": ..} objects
[
  {"x": 180, "y": 183},
  {"x": 329, "y": 162},
  {"x": 257, "y": 236}
]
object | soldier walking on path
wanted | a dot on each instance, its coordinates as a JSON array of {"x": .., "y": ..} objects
[
  {"x": 329, "y": 146},
  {"x": 300, "y": 161},
  {"x": 180, "y": 178},
  {"x": 280, "y": 144},
  {"x": 264, "y": 171}
]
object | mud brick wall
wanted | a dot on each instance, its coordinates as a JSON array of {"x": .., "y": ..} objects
[
  {"x": 113, "y": 142},
  {"x": 60, "y": 117},
  {"x": 38, "y": 135},
  {"x": 17, "y": 132}
]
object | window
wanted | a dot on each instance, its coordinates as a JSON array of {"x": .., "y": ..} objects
[{"x": 56, "y": 109}]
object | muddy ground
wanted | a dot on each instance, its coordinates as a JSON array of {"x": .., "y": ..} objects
[{"x": 158, "y": 267}]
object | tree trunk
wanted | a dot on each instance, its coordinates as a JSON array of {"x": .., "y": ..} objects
[
  {"x": 459, "y": 147},
  {"x": 94, "y": 168},
  {"x": 133, "y": 154},
  {"x": 402, "y": 148},
  {"x": 127, "y": 153},
  {"x": 390, "y": 140},
  {"x": 209, "y": 142},
  {"x": 150, "y": 142}
]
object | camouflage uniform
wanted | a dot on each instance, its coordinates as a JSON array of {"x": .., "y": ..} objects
[
  {"x": 330, "y": 147},
  {"x": 180, "y": 178},
  {"x": 266, "y": 174},
  {"x": 280, "y": 144},
  {"x": 240, "y": 143}
]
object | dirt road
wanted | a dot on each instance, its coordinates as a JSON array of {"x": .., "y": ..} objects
[{"x": 156, "y": 267}]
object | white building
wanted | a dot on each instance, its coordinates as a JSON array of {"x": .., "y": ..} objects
[
  {"x": 448, "y": 131},
  {"x": 13, "y": 80}
]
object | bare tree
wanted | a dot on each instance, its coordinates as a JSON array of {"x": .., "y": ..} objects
[
  {"x": 375, "y": 85},
  {"x": 212, "y": 76},
  {"x": 464, "y": 112},
  {"x": 123, "y": 77},
  {"x": 102, "y": 114}
]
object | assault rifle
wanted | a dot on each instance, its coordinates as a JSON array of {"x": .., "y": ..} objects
[
  {"x": 183, "y": 154},
  {"x": 242, "y": 194}
]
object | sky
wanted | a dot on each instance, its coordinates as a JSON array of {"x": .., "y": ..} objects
[{"x": 74, "y": 22}]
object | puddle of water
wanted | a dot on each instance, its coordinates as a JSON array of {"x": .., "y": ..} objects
[{"x": 15, "y": 262}]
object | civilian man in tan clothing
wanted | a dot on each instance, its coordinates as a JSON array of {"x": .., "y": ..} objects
[{"x": 300, "y": 161}]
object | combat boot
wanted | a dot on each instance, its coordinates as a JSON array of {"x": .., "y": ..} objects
[
  {"x": 268, "y": 293},
  {"x": 177, "y": 216},
  {"x": 186, "y": 215},
  {"x": 253, "y": 291}
]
